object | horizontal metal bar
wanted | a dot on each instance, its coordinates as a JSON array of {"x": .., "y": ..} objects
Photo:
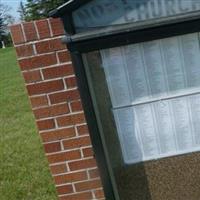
[
  {"x": 153, "y": 100},
  {"x": 130, "y": 27}
]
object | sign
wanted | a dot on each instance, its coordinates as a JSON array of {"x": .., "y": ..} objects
[
  {"x": 101, "y": 13},
  {"x": 155, "y": 93}
]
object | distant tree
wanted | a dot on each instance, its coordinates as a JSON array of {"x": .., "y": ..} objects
[
  {"x": 2, "y": 31},
  {"x": 38, "y": 9},
  {"x": 22, "y": 11},
  {"x": 5, "y": 20},
  {"x": 3, "y": 12},
  {"x": 2, "y": 27},
  {"x": 32, "y": 10}
]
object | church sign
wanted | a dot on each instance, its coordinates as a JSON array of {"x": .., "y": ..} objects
[
  {"x": 98, "y": 13},
  {"x": 138, "y": 69}
]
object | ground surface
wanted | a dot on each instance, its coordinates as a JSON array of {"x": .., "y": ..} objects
[{"x": 24, "y": 173}]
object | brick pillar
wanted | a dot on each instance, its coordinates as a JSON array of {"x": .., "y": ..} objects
[{"x": 51, "y": 86}]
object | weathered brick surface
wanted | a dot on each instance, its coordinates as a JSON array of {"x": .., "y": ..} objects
[
  {"x": 24, "y": 50},
  {"x": 30, "y": 31},
  {"x": 77, "y": 142},
  {"x": 43, "y": 28},
  {"x": 99, "y": 194},
  {"x": 49, "y": 46},
  {"x": 17, "y": 34},
  {"x": 71, "y": 177},
  {"x": 60, "y": 71},
  {"x": 93, "y": 184},
  {"x": 71, "y": 119},
  {"x": 58, "y": 169},
  {"x": 32, "y": 76},
  {"x": 64, "y": 56},
  {"x": 38, "y": 61},
  {"x": 56, "y": 27},
  {"x": 79, "y": 196},
  {"x": 46, "y": 124},
  {"x": 88, "y": 152},
  {"x": 83, "y": 130},
  {"x": 39, "y": 101},
  {"x": 94, "y": 173},
  {"x": 45, "y": 87},
  {"x": 51, "y": 111},
  {"x": 59, "y": 134},
  {"x": 52, "y": 147},
  {"x": 52, "y": 89},
  {"x": 71, "y": 82},
  {"x": 61, "y": 157},
  {"x": 66, "y": 96},
  {"x": 82, "y": 164},
  {"x": 65, "y": 189},
  {"x": 76, "y": 106}
]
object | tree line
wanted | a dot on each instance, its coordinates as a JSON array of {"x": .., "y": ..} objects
[
  {"x": 31, "y": 10},
  {"x": 37, "y": 9},
  {"x": 5, "y": 20}
]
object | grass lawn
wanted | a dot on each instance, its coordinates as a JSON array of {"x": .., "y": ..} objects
[{"x": 24, "y": 172}]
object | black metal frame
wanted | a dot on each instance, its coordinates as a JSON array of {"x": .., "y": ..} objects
[
  {"x": 92, "y": 125},
  {"x": 131, "y": 37},
  {"x": 79, "y": 46}
]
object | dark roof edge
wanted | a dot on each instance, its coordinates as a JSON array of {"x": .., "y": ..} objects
[{"x": 67, "y": 7}]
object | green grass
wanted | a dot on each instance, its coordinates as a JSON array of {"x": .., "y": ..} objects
[{"x": 24, "y": 172}]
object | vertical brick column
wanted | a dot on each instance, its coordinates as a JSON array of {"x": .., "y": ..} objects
[{"x": 51, "y": 86}]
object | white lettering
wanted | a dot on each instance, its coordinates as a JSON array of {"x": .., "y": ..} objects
[
  {"x": 170, "y": 7},
  {"x": 142, "y": 11},
  {"x": 183, "y": 7},
  {"x": 109, "y": 12},
  {"x": 195, "y": 5},
  {"x": 156, "y": 8}
]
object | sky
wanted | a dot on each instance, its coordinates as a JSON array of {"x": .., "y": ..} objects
[{"x": 14, "y": 4}]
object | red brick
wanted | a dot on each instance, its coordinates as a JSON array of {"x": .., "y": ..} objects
[
  {"x": 69, "y": 178},
  {"x": 76, "y": 143},
  {"x": 46, "y": 124},
  {"x": 83, "y": 130},
  {"x": 59, "y": 134},
  {"x": 45, "y": 87},
  {"x": 57, "y": 27},
  {"x": 52, "y": 147},
  {"x": 76, "y": 106},
  {"x": 58, "y": 169},
  {"x": 38, "y": 61},
  {"x": 71, "y": 82},
  {"x": 30, "y": 32},
  {"x": 24, "y": 50},
  {"x": 88, "y": 152},
  {"x": 71, "y": 120},
  {"x": 64, "y": 189},
  {"x": 99, "y": 194},
  {"x": 94, "y": 173},
  {"x": 66, "y": 96},
  {"x": 88, "y": 185},
  {"x": 61, "y": 71},
  {"x": 65, "y": 156},
  {"x": 17, "y": 34},
  {"x": 64, "y": 56},
  {"x": 79, "y": 196},
  {"x": 49, "y": 46},
  {"x": 43, "y": 28},
  {"x": 39, "y": 101},
  {"x": 51, "y": 111},
  {"x": 82, "y": 164},
  {"x": 32, "y": 76}
]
